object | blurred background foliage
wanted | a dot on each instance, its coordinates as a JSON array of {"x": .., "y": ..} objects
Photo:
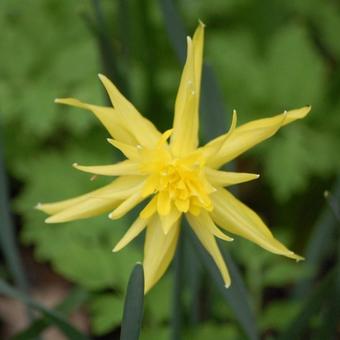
[{"x": 267, "y": 56}]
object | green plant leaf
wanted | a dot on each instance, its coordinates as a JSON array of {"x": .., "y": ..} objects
[{"x": 133, "y": 305}]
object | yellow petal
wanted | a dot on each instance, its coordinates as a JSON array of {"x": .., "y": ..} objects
[
  {"x": 136, "y": 228},
  {"x": 250, "y": 134},
  {"x": 211, "y": 149},
  {"x": 170, "y": 219},
  {"x": 208, "y": 240},
  {"x": 185, "y": 127},
  {"x": 89, "y": 208},
  {"x": 205, "y": 221},
  {"x": 108, "y": 117},
  {"x": 226, "y": 178},
  {"x": 159, "y": 250},
  {"x": 127, "y": 205},
  {"x": 234, "y": 216},
  {"x": 126, "y": 167},
  {"x": 163, "y": 202},
  {"x": 149, "y": 209},
  {"x": 118, "y": 189},
  {"x": 142, "y": 129},
  {"x": 130, "y": 151}
]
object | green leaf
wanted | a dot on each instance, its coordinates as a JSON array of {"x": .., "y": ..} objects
[
  {"x": 105, "y": 312},
  {"x": 52, "y": 316},
  {"x": 134, "y": 305}
]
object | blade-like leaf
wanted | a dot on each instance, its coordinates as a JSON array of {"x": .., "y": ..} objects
[
  {"x": 177, "y": 309},
  {"x": 318, "y": 245},
  {"x": 236, "y": 295},
  {"x": 7, "y": 237},
  {"x": 53, "y": 317},
  {"x": 134, "y": 305},
  {"x": 76, "y": 298},
  {"x": 312, "y": 305}
]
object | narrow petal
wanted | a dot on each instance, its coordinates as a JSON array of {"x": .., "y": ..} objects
[
  {"x": 142, "y": 129},
  {"x": 170, "y": 219},
  {"x": 234, "y": 216},
  {"x": 89, "y": 208},
  {"x": 205, "y": 221},
  {"x": 250, "y": 134},
  {"x": 130, "y": 151},
  {"x": 127, "y": 205},
  {"x": 119, "y": 188},
  {"x": 136, "y": 228},
  {"x": 211, "y": 149},
  {"x": 149, "y": 209},
  {"x": 108, "y": 117},
  {"x": 163, "y": 203},
  {"x": 226, "y": 178},
  {"x": 209, "y": 243},
  {"x": 126, "y": 167},
  {"x": 159, "y": 250},
  {"x": 186, "y": 121}
]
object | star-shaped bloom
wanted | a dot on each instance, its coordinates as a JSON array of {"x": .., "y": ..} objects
[{"x": 174, "y": 176}]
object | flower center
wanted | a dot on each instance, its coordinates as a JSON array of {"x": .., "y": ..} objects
[{"x": 176, "y": 183}]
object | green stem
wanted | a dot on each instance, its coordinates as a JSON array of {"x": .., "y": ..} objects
[{"x": 177, "y": 307}]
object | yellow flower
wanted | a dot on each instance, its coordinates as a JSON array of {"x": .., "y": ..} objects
[{"x": 180, "y": 178}]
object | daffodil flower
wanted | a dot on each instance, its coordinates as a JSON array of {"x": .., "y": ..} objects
[{"x": 173, "y": 175}]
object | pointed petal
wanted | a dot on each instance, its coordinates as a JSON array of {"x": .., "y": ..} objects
[
  {"x": 126, "y": 167},
  {"x": 226, "y": 178},
  {"x": 107, "y": 116},
  {"x": 170, "y": 219},
  {"x": 211, "y": 149},
  {"x": 163, "y": 203},
  {"x": 205, "y": 221},
  {"x": 119, "y": 188},
  {"x": 234, "y": 216},
  {"x": 209, "y": 243},
  {"x": 250, "y": 134},
  {"x": 136, "y": 228},
  {"x": 143, "y": 130},
  {"x": 127, "y": 205},
  {"x": 130, "y": 151},
  {"x": 186, "y": 121},
  {"x": 159, "y": 250},
  {"x": 89, "y": 208},
  {"x": 149, "y": 209}
]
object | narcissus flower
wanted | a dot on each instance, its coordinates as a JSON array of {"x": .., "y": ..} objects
[{"x": 177, "y": 177}]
